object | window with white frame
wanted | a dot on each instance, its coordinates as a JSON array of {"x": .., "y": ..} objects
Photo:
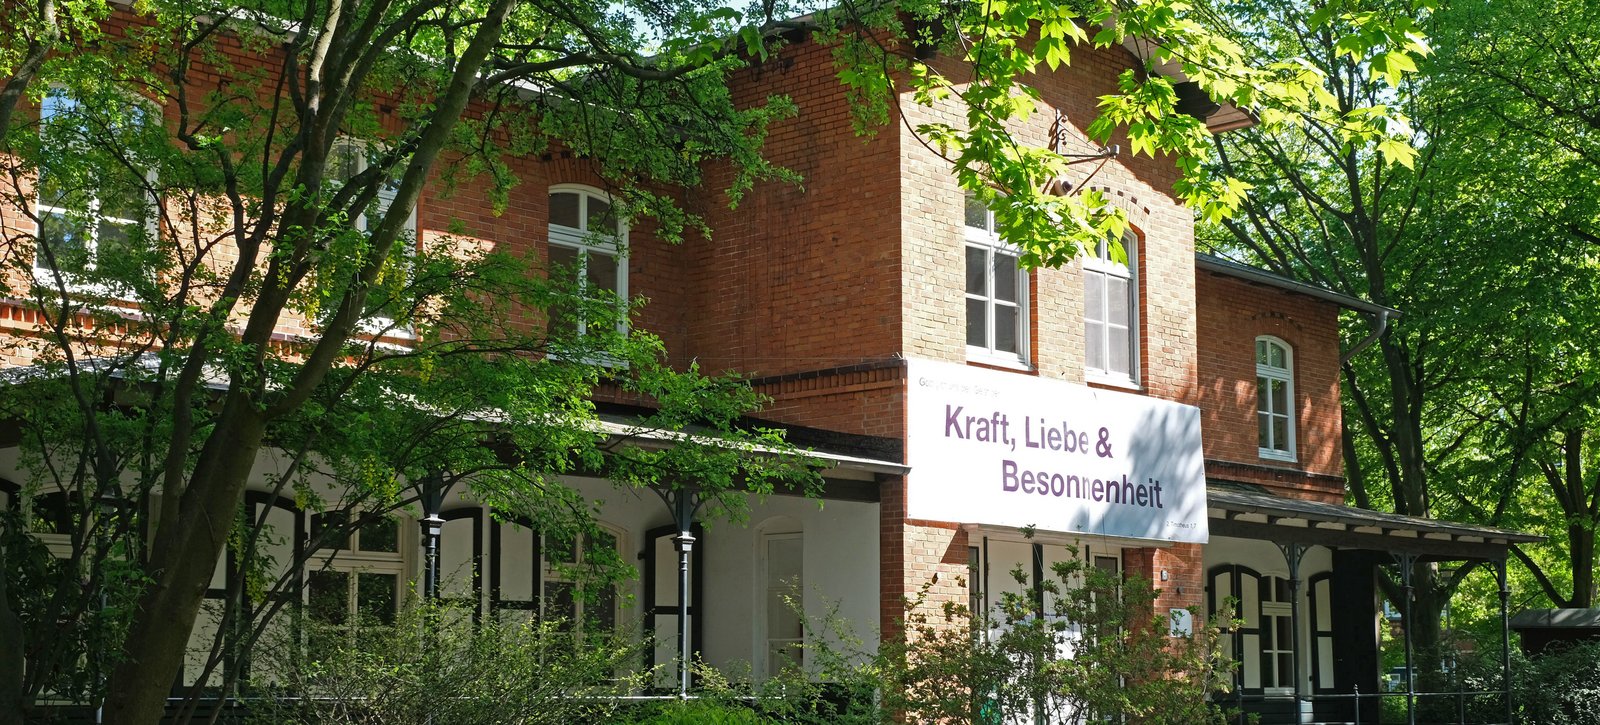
[
  {"x": 89, "y": 207},
  {"x": 579, "y": 606},
  {"x": 783, "y": 586},
  {"x": 996, "y": 291},
  {"x": 355, "y": 579},
  {"x": 588, "y": 240},
  {"x": 1275, "y": 399},
  {"x": 1277, "y": 634},
  {"x": 1111, "y": 311},
  {"x": 349, "y": 157}
]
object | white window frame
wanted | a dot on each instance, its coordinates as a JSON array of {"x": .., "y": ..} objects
[
  {"x": 561, "y": 573},
  {"x": 1266, "y": 374},
  {"x": 988, "y": 241},
  {"x": 764, "y": 586},
  {"x": 355, "y": 561},
  {"x": 1273, "y": 613},
  {"x": 50, "y": 276},
  {"x": 361, "y": 151},
  {"x": 586, "y": 241},
  {"x": 1099, "y": 262}
]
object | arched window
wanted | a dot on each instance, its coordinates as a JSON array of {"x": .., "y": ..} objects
[
  {"x": 1275, "y": 398},
  {"x": 1111, "y": 311},
  {"x": 586, "y": 239},
  {"x": 996, "y": 291}
]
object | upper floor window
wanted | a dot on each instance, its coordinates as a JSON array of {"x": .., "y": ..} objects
[
  {"x": 379, "y": 313},
  {"x": 89, "y": 206},
  {"x": 1111, "y": 311},
  {"x": 586, "y": 239},
  {"x": 1275, "y": 398},
  {"x": 996, "y": 291}
]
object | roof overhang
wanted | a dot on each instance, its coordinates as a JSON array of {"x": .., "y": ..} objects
[
  {"x": 1229, "y": 268},
  {"x": 1219, "y": 117},
  {"x": 1247, "y": 515}
]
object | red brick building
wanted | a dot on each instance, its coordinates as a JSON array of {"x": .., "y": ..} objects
[{"x": 1177, "y": 416}]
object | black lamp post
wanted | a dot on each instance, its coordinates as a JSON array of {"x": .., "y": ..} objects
[
  {"x": 684, "y": 504},
  {"x": 431, "y": 491}
]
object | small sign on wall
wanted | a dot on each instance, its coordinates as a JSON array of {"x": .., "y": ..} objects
[{"x": 1181, "y": 624}]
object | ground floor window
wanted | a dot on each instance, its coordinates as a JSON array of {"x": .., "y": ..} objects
[
  {"x": 784, "y": 585},
  {"x": 565, "y": 596},
  {"x": 1264, "y": 642}
]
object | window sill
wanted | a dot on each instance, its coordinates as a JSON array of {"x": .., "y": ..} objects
[
  {"x": 1272, "y": 454},
  {"x": 1112, "y": 380},
  {"x": 56, "y": 282},
  {"x": 983, "y": 357}
]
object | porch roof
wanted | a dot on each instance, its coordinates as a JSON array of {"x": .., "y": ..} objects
[{"x": 1246, "y": 514}]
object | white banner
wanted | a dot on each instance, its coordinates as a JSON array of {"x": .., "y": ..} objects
[{"x": 1006, "y": 449}]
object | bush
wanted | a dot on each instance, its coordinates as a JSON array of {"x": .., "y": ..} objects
[
  {"x": 1560, "y": 686},
  {"x": 436, "y": 665}
]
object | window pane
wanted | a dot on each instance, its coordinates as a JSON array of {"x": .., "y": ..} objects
[
  {"x": 1262, "y": 384},
  {"x": 328, "y": 600},
  {"x": 1095, "y": 345},
  {"x": 1280, "y": 396},
  {"x": 977, "y": 325},
  {"x": 563, "y": 258},
  {"x": 560, "y": 605},
  {"x": 1005, "y": 277},
  {"x": 602, "y": 612},
  {"x": 602, "y": 272},
  {"x": 1261, "y": 352},
  {"x": 344, "y": 162},
  {"x": 382, "y": 534},
  {"x": 559, "y": 551},
  {"x": 323, "y": 522},
  {"x": 1264, "y": 430},
  {"x": 375, "y": 598},
  {"x": 1280, "y": 432},
  {"x": 1276, "y": 356},
  {"x": 1117, "y": 350},
  {"x": 977, "y": 213},
  {"x": 600, "y": 218},
  {"x": 1117, "y": 301},
  {"x": 564, "y": 209},
  {"x": 601, "y": 541},
  {"x": 977, "y": 283},
  {"x": 1094, "y": 296},
  {"x": 113, "y": 239},
  {"x": 1005, "y": 328},
  {"x": 1285, "y": 670},
  {"x": 66, "y": 240}
]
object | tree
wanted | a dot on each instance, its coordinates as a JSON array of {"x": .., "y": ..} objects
[
  {"x": 288, "y": 147},
  {"x": 1520, "y": 77}
]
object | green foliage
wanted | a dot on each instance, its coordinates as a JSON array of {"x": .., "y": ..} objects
[
  {"x": 1560, "y": 686},
  {"x": 993, "y": 49},
  {"x": 1096, "y": 648},
  {"x": 435, "y": 664}
]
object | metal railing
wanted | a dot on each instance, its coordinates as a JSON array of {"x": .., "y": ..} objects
[{"x": 1457, "y": 712}]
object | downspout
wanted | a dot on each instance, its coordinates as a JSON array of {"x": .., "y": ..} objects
[{"x": 1383, "y": 326}]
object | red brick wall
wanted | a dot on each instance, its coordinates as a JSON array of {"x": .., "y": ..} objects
[{"x": 1233, "y": 313}]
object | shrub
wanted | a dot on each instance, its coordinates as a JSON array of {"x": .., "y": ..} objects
[
  {"x": 1560, "y": 686},
  {"x": 436, "y": 665}
]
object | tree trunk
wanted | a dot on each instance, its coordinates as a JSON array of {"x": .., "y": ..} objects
[{"x": 182, "y": 569}]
